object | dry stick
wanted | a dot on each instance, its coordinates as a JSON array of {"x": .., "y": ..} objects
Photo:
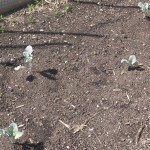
[
  {"x": 19, "y": 106},
  {"x": 92, "y": 116},
  {"x": 66, "y": 125},
  {"x": 139, "y": 133},
  {"x": 87, "y": 120},
  {"x": 97, "y": 137},
  {"x": 69, "y": 103},
  {"x": 77, "y": 128}
]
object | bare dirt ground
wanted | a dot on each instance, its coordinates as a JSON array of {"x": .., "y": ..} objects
[{"x": 78, "y": 95}]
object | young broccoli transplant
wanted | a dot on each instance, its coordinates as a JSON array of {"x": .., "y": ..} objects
[
  {"x": 12, "y": 131},
  {"x": 131, "y": 60},
  {"x": 144, "y": 8},
  {"x": 27, "y": 54}
]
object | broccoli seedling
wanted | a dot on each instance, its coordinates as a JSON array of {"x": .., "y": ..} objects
[
  {"x": 131, "y": 60},
  {"x": 27, "y": 54},
  {"x": 144, "y": 8},
  {"x": 12, "y": 131}
]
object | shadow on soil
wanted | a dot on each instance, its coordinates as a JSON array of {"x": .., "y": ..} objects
[
  {"x": 30, "y": 78},
  {"x": 29, "y": 146},
  {"x": 148, "y": 18},
  {"x": 12, "y": 63},
  {"x": 54, "y": 33},
  {"x": 49, "y": 73},
  {"x": 138, "y": 68},
  {"x": 104, "y": 5},
  {"x": 36, "y": 45},
  {"x": 47, "y": 33}
]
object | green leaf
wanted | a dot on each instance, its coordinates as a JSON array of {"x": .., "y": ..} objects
[
  {"x": 2, "y": 131},
  {"x": 28, "y": 53},
  {"x": 12, "y": 129},
  {"x": 143, "y": 6},
  {"x": 29, "y": 49},
  {"x": 9, "y": 131},
  {"x": 132, "y": 59}
]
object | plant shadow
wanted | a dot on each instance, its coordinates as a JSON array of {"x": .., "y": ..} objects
[
  {"x": 12, "y": 63},
  {"x": 30, "y": 78},
  {"x": 28, "y": 146},
  {"x": 49, "y": 73},
  {"x": 148, "y": 18},
  {"x": 133, "y": 68}
]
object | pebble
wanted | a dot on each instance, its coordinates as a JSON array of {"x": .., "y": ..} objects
[
  {"x": 27, "y": 119},
  {"x": 43, "y": 107}
]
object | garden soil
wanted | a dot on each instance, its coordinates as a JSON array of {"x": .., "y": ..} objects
[{"x": 76, "y": 94}]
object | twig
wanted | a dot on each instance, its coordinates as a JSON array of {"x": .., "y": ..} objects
[
  {"x": 66, "y": 125},
  {"x": 139, "y": 133},
  {"x": 70, "y": 104},
  {"x": 77, "y": 128},
  {"x": 97, "y": 137},
  {"x": 19, "y": 106},
  {"x": 91, "y": 117},
  {"x": 128, "y": 98}
]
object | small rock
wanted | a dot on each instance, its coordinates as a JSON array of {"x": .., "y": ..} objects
[
  {"x": 40, "y": 124},
  {"x": 43, "y": 107},
  {"x": 27, "y": 119},
  {"x": 67, "y": 147}
]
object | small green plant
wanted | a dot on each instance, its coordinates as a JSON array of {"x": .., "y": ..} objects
[
  {"x": 78, "y": 1},
  {"x": 2, "y": 30},
  {"x": 30, "y": 7},
  {"x": 12, "y": 131},
  {"x": 27, "y": 54},
  {"x": 39, "y": 2},
  {"x": 30, "y": 19},
  {"x": 56, "y": 13},
  {"x": 144, "y": 8},
  {"x": 131, "y": 60},
  {"x": 67, "y": 8},
  {"x": 1, "y": 18}
]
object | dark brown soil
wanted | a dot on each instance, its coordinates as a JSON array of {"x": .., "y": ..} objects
[{"x": 78, "y": 95}]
